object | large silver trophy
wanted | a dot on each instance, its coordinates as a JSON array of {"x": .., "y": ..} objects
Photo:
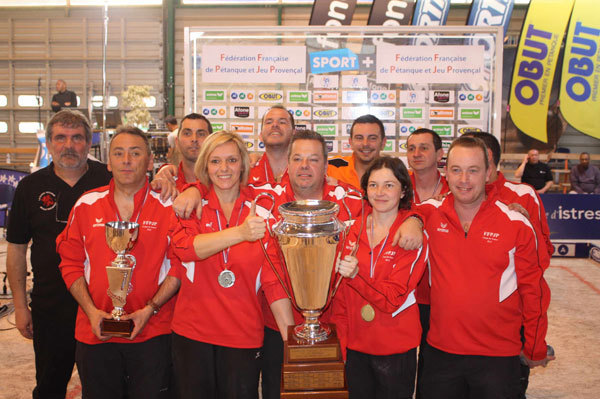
[
  {"x": 120, "y": 237},
  {"x": 308, "y": 235},
  {"x": 310, "y": 238}
]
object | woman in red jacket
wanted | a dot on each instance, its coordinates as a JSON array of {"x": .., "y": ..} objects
[
  {"x": 218, "y": 323},
  {"x": 375, "y": 310}
]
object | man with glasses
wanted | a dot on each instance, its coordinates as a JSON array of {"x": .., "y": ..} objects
[
  {"x": 367, "y": 139},
  {"x": 40, "y": 210}
]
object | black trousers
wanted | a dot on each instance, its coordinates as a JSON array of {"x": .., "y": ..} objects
[
  {"x": 450, "y": 376},
  {"x": 272, "y": 360},
  {"x": 424, "y": 312},
  {"x": 214, "y": 372},
  {"x": 54, "y": 347},
  {"x": 381, "y": 377},
  {"x": 116, "y": 370}
]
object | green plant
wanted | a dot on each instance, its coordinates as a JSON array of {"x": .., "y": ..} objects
[{"x": 133, "y": 97}]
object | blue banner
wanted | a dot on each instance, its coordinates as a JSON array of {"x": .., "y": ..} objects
[
  {"x": 333, "y": 61},
  {"x": 431, "y": 12},
  {"x": 491, "y": 13},
  {"x": 573, "y": 216}
]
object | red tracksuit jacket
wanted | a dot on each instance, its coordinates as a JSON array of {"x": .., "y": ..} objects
[
  {"x": 485, "y": 284},
  {"x": 390, "y": 291},
  {"x": 84, "y": 252}
]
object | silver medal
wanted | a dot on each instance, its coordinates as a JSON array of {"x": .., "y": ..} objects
[{"x": 226, "y": 278}]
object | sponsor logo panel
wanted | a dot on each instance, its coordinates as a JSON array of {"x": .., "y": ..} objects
[
  {"x": 218, "y": 126},
  {"x": 383, "y": 97},
  {"x": 384, "y": 113},
  {"x": 441, "y": 113},
  {"x": 325, "y": 96},
  {"x": 354, "y": 112},
  {"x": 240, "y": 96},
  {"x": 332, "y": 146},
  {"x": 441, "y": 96},
  {"x": 470, "y": 97},
  {"x": 215, "y": 95},
  {"x": 405, "y": 129},
  {"x": 355, "y": 82},
  {"x": 443, "y": 130},
  {"x": 462, "y": 129},
  {"x": 354, "y": 97},
  {"x": 241, "y": 111},
  {"x": 298, "y": 96},
  {"x": 326, "y": 81},
  {"x": 325, "y": 113},
  {"x": 326, "y": 129},
  {"x": 469, "y": 113},
  {"x": 303, "y": 126},
  {"x": 389, "y": 145},
  {"x": 412, "y": 97},
  {"x": 243, "y": 128},
  {"x": 214, "y": 111},
  {"x": 300, "y": 113},
  {"x": 268, "y": 96},
  {"x": 411, "y": 113}
]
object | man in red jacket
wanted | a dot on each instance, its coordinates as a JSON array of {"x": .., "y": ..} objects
[
  {"x": 110, "y": 367},
  {"x": 482, "y": 290}
]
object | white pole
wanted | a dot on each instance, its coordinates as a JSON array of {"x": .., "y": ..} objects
[{"x": 104, "y": 137}]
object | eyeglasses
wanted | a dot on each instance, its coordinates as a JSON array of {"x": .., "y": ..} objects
[{"x": 56, "y": 206}]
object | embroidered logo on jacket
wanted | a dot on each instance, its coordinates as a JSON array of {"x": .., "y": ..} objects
[
  {"x": 149, "y": 225},
  {"x": 443, "y": 228},
  {"x": 47, "y": 200},
  {"x": 490, "y": 236}
]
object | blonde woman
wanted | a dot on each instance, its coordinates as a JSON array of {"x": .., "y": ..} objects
[{"x": 218, "y": 324}]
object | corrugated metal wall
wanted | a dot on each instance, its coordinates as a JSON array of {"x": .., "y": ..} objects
[{"x": 48, "y": 45}]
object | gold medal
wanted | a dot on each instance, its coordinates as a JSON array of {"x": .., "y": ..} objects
[{"x": 367, "y": 312}]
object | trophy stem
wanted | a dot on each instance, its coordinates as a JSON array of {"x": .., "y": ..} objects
[{"x": 312, "y": 330}]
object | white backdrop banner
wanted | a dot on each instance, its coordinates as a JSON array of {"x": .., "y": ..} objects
[
  {"x": 430, "y": 64},
  {"x": 253, "y": 64}
]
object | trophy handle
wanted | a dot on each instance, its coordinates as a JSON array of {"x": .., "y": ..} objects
[
  {"x": 287, "y": 292},
  {"x": 362, "y": 217},
  {"x": 265, "y": 194},
  {"x": 131, "y": 259},
  {"x": 362, "y": 225}
]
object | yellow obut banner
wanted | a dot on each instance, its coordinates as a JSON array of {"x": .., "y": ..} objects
[
  {"x": 579, "y": 99},
  {"x": 535, "y": 63}
]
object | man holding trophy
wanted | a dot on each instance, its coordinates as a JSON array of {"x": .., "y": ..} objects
[{"x": 115, "y": 257}]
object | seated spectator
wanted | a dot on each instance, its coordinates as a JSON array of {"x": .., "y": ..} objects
[
  {"x": 585, "y": 178},
  {"x": 534, "y": 172}
]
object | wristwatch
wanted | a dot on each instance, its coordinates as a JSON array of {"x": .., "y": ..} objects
[{"x": 154, "y": 306}]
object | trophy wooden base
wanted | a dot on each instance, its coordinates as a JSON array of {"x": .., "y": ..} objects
[
  {"x": 116, "y": 328},
  {"x": 313, "y": 370}
]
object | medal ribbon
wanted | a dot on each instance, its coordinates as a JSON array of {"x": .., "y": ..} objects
[
  {"x": 225, "y": 252},
  {"x": 141, "y": 207},
  {"x": 380, "y": 251}
]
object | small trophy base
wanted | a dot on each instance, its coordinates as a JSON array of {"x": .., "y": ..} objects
[
  {"x": 313, "y": 370},
  {"x": 116, "y": 328}
]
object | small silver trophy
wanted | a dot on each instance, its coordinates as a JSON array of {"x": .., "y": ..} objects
[{"x": 120, "y": 237}]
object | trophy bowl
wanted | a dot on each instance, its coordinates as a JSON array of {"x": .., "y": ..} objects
[
  {"x": 120, "y": 237},
  {"x": 308, "y": 235}
]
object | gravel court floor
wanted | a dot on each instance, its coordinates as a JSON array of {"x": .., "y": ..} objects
[{"x": 574, "y": 332}]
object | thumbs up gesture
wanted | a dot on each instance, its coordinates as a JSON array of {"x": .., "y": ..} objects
[{"x": 254, "y": 227}]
